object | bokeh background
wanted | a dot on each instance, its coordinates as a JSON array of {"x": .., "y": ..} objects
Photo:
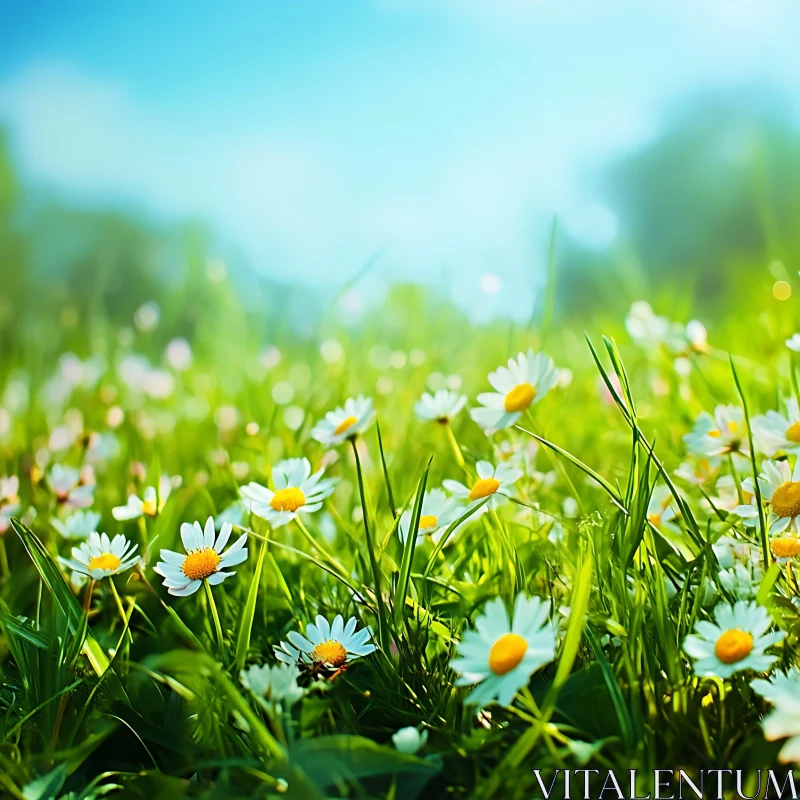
[{"x": 310, "y": 158}]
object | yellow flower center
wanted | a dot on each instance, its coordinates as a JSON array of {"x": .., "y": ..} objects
[
  {"x": 733, "y": 646},
  {"x": 787, "y": 547},
  {"x": 150, "y": 508},
  {"x": 519, "y": 398},
  {"x": 427, "y": 521},
  {"x": 200, "y": 564},
  {"x": 793, "y": 432},
  {"x": 654, "y": 519},
  {"x": 483, "y": 488},
  {"x": 288, "y": 499},
  {"x": 346, "y": 423},
  {"x": 786, "y": 500},
  {"x": 506, "y": 653},
  {"x": 330, "y": 652},
  {"x": 715, "y": 434},
  {"x": 104, "y": 561}
]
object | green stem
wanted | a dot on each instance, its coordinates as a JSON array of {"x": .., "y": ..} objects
[
  {"x": 217, "y": 626},
  {"x": 143, "y": 533},
  {"x": 120, "y": 607},
  {"x": 383, "y": 632},
  {"x": 451, "y": 437},
  {"x": 331, "y": 559}
]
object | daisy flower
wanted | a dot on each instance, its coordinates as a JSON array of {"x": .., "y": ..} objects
[
  {"x": 68, "y": 487},
  {"x": 78, "y": 525},
  {"x": 439, "y": 407},
  {"x": 774, "y": 432},
  {"x": 9, "y": 501},
  {"x": 204, "y": 559},
  {"x": 785, "y": 548},
  {"x": 326, "y": 646},
  {"x": 99, "y": 557},
  {"x": 718, "y": 435},
  {"x": 735, "y": 642},
  {"x": 345, "y": 422},
  {"x": 409, "y": 740},
  {"x": 150, "y": 505},
  {"x": 492, "y": 483},
  {"x": 296, "y": 490},
  {"x": 780, "y": 492},
  {"x": 275, "y": 686},
  {"x": 523, "y": 382},
  {"x": 783, "y": 691},
  {"x": 698, "y": 472},
  {"x": 500, "y": 656},
  {"x": 794, "y": 342},
  {"x": 438, "y": 511}
]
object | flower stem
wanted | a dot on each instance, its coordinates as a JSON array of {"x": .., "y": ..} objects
[
  {"x": 143, "y": 533},
  {"x": 121, "y": 608},
  {"x": 332, "y": 560},
  {"x": 451, "y": 437},
  {"x": 4, "y": 570},
  {"x": 217, "y": 627}
]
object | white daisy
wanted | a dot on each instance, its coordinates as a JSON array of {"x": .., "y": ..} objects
[
  {"x": 99, "y": 557},
  {"x": 9, "y": 501},
  {"x": 780, "y": 493},
  {"x": 742, "y": 581},
  {"x": 785, "y": 548},
  {"x": 699, "y": 471},
  {"x": 646, "y": 328},
  {"x": 66, "y": 484},
  {"x": 78, "y": 525},
  {"x": 345, "y": 422},
  {"x": 203, "y": 561},
  {"x": 500, "y": 656},
  {"x": 275, "y": 687},
  {"x": 439, "y": 407},
  {"x": 524, "y": 381},
  {"x": 296, "y": 491},
  {"x": 735, "y": 642},
  {"x": 151, "y": 505},
  {"x": 783, "y": 691},
  {"x": 326, "y": 646},
  {"x": 794, "y": 342},
  {"x": 438, "y": 511},
  {"x": 718, "y": 435},
  {"x": 492, "y": 482},
  {"x": 774, "y": 432}
]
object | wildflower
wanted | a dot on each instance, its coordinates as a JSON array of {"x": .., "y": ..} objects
[
  {"x": 326, "y": 646},
  {"x": 296, "y": 490},
  {"x": 151, "y": 505},
  {"x": 409, "y": 740},
  {"x": 204, "y": 559},
  {"x": 438, "y": 511},
  {"x": 275, "y": 687},
  {"x": 783, "y": 691},
  {"x": 78, "y": 525},
  {"x": 741, "y": 581},
  {"x": 345, "y": 422},
  {"x": 774, "y": 432},
  {"x": 736, "y": 641},
  {"x": 645, "y": 327},
  {"x": 100, "y": 557},
  {"x": 523, "y": 382},
  {"x": 780, "y": 492},
  {"x": 794, "y": 342},
  {"x": 698, "y": 472},
  {"x": 9, "y": 501},
  {"x": 718, "y": 435},
  {"x": 785, "y": 548},
  {"x": 71, "y": 489},
  {"x": 439, "y": 407},
  {"x": 500, "y": 656},
  {"x": 492, "y": 483}
]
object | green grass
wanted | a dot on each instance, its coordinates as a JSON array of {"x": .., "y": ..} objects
[{"x": 139, "y": 697}]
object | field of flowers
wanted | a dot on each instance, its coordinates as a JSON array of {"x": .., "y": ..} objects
[{"x": 409, "y": 557}]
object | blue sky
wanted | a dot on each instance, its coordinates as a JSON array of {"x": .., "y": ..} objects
[{"x": 444, "y": 133}]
